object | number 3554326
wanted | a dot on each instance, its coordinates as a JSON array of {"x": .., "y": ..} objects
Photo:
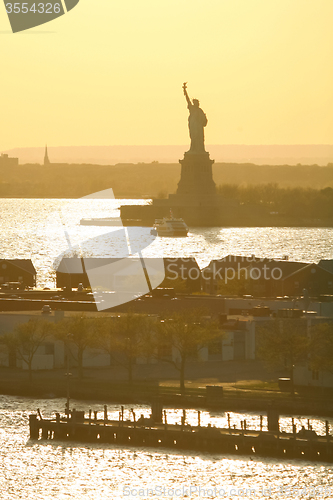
[{"x": 36, "y": 8}]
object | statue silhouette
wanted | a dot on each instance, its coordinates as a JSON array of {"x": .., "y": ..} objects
[{"x": 196, "y": 123}]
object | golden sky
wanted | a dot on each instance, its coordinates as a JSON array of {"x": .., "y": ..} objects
[{"x": 111, "y": 72}]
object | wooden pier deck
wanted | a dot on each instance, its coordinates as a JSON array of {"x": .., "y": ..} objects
[{"x": 79, "y": 428}]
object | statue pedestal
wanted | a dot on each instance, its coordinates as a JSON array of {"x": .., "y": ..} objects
[
  {"x": 196, "y": 200},
  {"x": 196, "y": 179}
]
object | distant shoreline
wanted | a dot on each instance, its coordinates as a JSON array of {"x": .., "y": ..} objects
[
  {"x": 169, "y": 153},
  {"x": 151, "y": 180},
  {"x": 261, "y": 220}
]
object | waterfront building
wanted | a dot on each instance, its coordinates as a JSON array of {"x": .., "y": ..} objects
[
  {"x": 267, "y": 277},
  {"x": 18, "y": 271},
  {"x": 73, "y": 271},
  {"x": 7, "y": 162}
]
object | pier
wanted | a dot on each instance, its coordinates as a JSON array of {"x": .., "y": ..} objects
[{"x": 76, "y": 426}]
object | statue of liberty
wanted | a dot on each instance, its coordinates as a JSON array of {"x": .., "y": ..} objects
[{"x": 196, "y": 123}]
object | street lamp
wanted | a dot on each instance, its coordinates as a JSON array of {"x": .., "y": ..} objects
[{"x": 68, "y": 375}]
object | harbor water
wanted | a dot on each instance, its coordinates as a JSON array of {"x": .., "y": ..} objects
[
  {"x": 42, "y": 230},
  {"x": 61, "y": 470}
]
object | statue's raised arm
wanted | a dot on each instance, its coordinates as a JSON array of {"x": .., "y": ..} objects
[
  {"x": 197, "y": 120},
  {"x": 186, "y": 94}
]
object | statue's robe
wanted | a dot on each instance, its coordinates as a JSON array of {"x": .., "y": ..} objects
[{"x": 196, "y": 123}]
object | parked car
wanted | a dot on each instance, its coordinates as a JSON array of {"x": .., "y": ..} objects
[{"x": 46, "y": 309}]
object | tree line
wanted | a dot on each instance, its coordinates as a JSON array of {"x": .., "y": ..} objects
[
  {"x": 295, "y": 202},
  {"x": 151, "y": 180},
  {"x": 175, "y": 338}
]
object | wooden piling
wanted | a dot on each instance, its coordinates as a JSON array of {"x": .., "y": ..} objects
[
  {"x": 157, "y": 410},
  {"x": 34, "y": 427},
  {"x": 45, "y": 432}
]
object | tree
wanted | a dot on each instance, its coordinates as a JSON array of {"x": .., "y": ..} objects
[
  {"x": 321, "y": 347},
  {"x": 27, "y": 338},
  {"x": 184, "y": 333},
  {"x": 132, "y": 340},
  {"x": 105, "y": 335},
  {"x": 283, "y": 343},
  {"x": 76, "y": 331}
]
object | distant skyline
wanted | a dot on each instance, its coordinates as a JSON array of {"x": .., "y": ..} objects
[
  {"x": 112, "y": 73},
  {"x": 110, "y": 155}
]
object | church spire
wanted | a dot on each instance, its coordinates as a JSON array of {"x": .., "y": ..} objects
[{"x": 46, "y": 157}]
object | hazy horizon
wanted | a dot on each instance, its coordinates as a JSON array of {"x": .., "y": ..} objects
[{"x": 274, "y": 154}]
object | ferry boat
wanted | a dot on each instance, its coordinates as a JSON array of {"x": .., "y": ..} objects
[{"x": 170, "y": 226}]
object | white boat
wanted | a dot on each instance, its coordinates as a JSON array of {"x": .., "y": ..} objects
[{"x": 170, "y": 226}]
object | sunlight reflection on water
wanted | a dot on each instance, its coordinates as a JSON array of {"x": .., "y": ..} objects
[
  {"x": 32, "y": 229},
  {"x": 48, "y": 470}
]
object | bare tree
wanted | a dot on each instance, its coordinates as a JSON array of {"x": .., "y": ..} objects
[
  {"x": 185, "y": 334},
  {"x": 283, "y": 343},
  {"x": 106, "y": 335},
  {"x": 132, "y": 340},
  {"x": 27, "y": 338},
  {"x": 321, "y": 347},
  {"x": 77, "y": 334}
]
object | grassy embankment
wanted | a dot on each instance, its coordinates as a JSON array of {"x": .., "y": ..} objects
[{"x": 249, "y": 395}]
